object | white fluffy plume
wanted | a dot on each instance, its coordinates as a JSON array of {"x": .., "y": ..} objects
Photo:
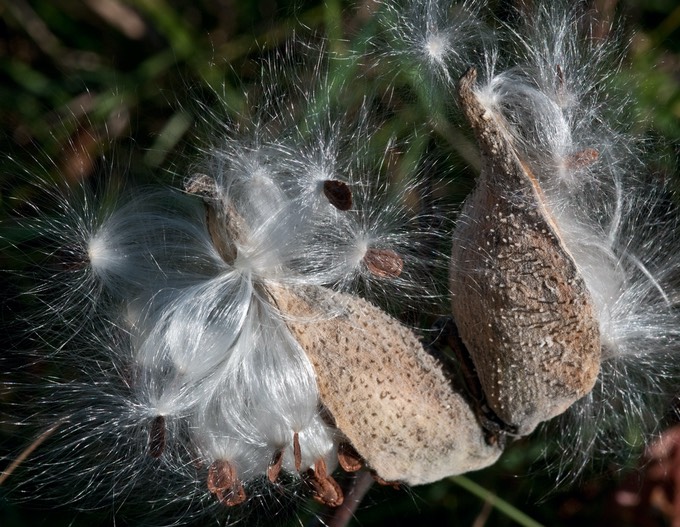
[{"x": 183, "y": 370}]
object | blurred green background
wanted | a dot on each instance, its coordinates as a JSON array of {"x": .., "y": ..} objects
[{"x": 106, "y": 89}]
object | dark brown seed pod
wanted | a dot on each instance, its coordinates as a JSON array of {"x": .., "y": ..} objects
[
  {"x": 223, "y": 482},
  {"x": 157, "y": 437},
  {"x": 338, "y": 194},
  {"x": 520, "y": 305},
  {"x": 383, "y": 263}
]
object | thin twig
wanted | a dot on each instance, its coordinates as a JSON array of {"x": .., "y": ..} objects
[
  {"x": 341, "y": 516},
  {"x": 483, "y": 516},
  {"x": 360, "y": 486},
  {"x": 28, "y": 451}
]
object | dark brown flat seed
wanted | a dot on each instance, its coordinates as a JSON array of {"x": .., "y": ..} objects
[
  {"x": 325, "y": 489},
  {"x": 297, "y": 452},
  {"x": 157, "y": 437},
  {"x": 338, "y": 194},
  {"x": 274, "y": 468},
  {"x": 383, "y": 263},
  {"x": 581, "y": 159},
  {"x": 348, "y": 458}
]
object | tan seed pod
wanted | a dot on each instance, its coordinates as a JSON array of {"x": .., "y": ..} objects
[
  {"x": 521, "y": 307},
  {"x": 386, "y": 394}
]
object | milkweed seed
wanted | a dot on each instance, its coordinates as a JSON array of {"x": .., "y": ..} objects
[
  {"x": 383, "y": 482},
  {"x": 325, "y": 489},
  {"x": 157, "y": 437},
  {"x": 581, "y": 159},
  {"x": 383, "y": 263},
  {"x": 224, "y": 483},
  {"x": 348, "y": 458},
  {"x": 560, "y": 77},
  {"x": 297, "y": 452},
  {"x": 274, "y": 468},
  {"x": 338, "y": 194}
]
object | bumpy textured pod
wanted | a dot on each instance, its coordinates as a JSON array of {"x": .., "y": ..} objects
[
  {"x": 521, "y": 307},
  {"x": 388, "y": 397},
  {"x": 385, "y": 393}
]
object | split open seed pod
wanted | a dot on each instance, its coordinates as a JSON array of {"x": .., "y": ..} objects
[
  {"x": 522, "y": 309},
  {"x": 386, "y": 394},
  {"x": 395, "y": 409}
]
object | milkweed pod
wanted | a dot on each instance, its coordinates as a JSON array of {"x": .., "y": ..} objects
[
  {"x": 388, "y": 396},
  {"x": 395, "y": 408},
  {"x": 520, "y": 305}
]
